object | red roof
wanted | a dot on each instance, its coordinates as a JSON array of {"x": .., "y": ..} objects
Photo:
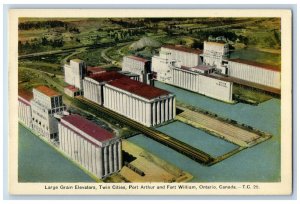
[
  {"x": 26, "y": 95},
  {"x": 138, "y": 58},
  {"x": 95, "y": 70},
  {"x": 138, "y": 88},
  {"x": 47, "y": 91},
  {"x": 257, "y": 64},
  {"x": 107, "y": 76},
  {"x": 88, "y": 127},
  {"x": 183, "y": 49},
  {"x": 72, "y": 88}
]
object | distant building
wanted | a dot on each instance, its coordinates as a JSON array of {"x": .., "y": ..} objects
[
  {"x": 131, "y": 75},
  {"x": 137, "y": 65},
  {"x": 143, "y": 103},
  {"x": 185, "y": 56},
  {"x": 93, "y": 85},
  {"x": 168, "y": 68},
  {"x": 75, "y": 72},
  {"x": 24, "y": 108},
  {"x": 46, "y": 102},
  {"x": 196, "y": 81},
  {"x": 93, "y": 147},
  {"x": 92, "y": 71},
  {"x": 161, "y": 66},
  {"x": 214, "y": 53},
  {"x": 202, "y": 69},
  {"x": 259, "y": 73},
  {"x": 72, "y": 91}
]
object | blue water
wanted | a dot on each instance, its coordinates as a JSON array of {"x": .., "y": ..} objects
[
  {"x": 260, "y": 163},
  {"x": 265, "y": 116},
  {"x": 198, "y": 138},
  {"x": 38, "y": 162}
]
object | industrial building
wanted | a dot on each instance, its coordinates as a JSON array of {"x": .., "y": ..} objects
[
  {"x": 24, "y": 107},
  {"x": 93, "y": 147},
  {"x": 93, "y": 85},
  {"x": 72, "y": 91},
  {"x": 185, "y": 56},
  {"x": 193, "y": 79},
  {"x": 45, "y": 103},
  {"x": 259, "y": 73},
  {"x": 75, "y": 72},
  {"x": 161, "y": 67},
  {"x": 214, "y": 53},
  {"x": 145, "y": 104},
  {"x": 139, "y": 66},
  {"x": 131, "y": 75},
  {"x": 92, "y": 71}
]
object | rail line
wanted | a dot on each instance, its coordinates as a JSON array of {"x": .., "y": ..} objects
[{"x": 163, "y": 138}]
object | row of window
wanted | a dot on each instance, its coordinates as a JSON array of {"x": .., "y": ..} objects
[{"x": 40, "y": 123}]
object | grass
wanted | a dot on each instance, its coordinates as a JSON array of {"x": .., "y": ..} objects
[
  {"x": 92, "y": 57},
  {"x": 42, "y": 66},
  {"x": 251, "y": 94}
]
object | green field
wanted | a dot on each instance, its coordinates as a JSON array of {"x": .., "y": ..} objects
[{"x": 104, "y": 42}]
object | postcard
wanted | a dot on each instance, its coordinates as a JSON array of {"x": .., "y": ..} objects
[{"x": 150, "y": 102}]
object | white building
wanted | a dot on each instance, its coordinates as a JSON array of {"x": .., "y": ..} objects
[
  {"x": 208, "y": 85},
  {"x": 72, "y": 91},
  {"x": 75, "y": 72},
  {"x": 185, "y": 56},
  {"x": 161, "y": 66},
  {"x": 46, "y": 102},
  {"x": 259, "y": 73},
  {"x": 137, "y": 65},
  {"x": 91, "y": 146},
  {"x": 145, "y": 104},
  {"x": 24, "y": 107},
  {"x": 93, "y": 85},
  {"x": 131, "y": 75},
  {"x": 214, "y": 53}
]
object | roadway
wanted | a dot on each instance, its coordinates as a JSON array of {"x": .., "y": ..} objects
[{"x": 163, "y": 138}]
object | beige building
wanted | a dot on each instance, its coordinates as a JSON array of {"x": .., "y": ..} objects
[
  {"x": 185, "y": 56},
  {"x": 214, "y": 53},
  {"x": 93, "y": 85},
  {"x": 259, "y": 73},
  {"x": 139, "y": 66},
  {"x": 93, "y": 147},
  {"x": 207, "y": 85},
  {"x": 45, "y": 103},
  {"x": 145, "y": 104},
  {"x": 24, "y": 107},
  {"x": 75, "y": 72}
]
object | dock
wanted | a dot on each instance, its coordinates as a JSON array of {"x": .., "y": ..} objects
[{"x": 233, "y": 133}]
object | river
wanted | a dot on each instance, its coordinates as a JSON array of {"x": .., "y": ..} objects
[
  {"x": 38, "y": 162},
  {"x": 257, "y": 164}
]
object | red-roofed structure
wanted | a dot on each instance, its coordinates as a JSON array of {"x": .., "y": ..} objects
[
  {"x": 257, "y": 64},
  {"x": 138, "y": 58},
  {"x": 47, "y": 91},
  {"x": 72, "y": 88},
  {"x": 138, "y": 88},
  {"x": 107, "y": 76},
  {"x": 95, "y": 70},
  {"x": 87, "y": 127},
  {"x": 25, "y": 95},
  {"x": 183, "y": 49}
]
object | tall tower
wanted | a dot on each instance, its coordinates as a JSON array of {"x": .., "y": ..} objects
[{"x": 75, "y": 72}]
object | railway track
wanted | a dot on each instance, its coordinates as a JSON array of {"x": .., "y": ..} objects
[{"x": 163, "y": 138}]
